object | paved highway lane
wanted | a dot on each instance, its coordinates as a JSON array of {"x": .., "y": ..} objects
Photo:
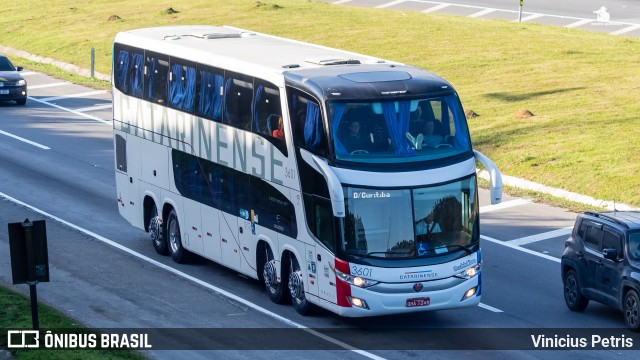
[
  {"x": 620, "y": 17},
  {"x": 106, "y": 273}
]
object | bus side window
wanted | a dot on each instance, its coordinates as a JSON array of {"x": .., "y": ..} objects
[
  {"x": 182, "y": 85},
  {"x": 307, "y": 126},
  {"x": 157, "y": 67},
  {"x": 238, "y": 97},
  {"x": 129, "y": 70},
  {"x": 209, "y": 93}
]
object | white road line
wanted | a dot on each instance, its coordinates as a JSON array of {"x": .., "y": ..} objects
[
  {"x": 543, "y": 236},
  {"x": 25, "y": 140},
  {"x": 42, "y": 86},
  {"x": 490, "y": 308},
  {"x": 519, "y": 248},
  {"x": 195, "y": 280},
  {"x": 390, "y": 4},
  {"x": 76, "y": 95},
  {"x": 28, "y": 73},
  {"x": 579, "y": 23},
  {"x": 625, "y": 30},
  {"x": 72, "y": 111},
  {"x": 94, "y": 108},
  {"x": 341, "y": 2},
  {"x": 531, "y": 17},
  {"x": 503, "y": 205},
  {"x": 435, "y": 8},
  {"x": 482, "y": 13}
]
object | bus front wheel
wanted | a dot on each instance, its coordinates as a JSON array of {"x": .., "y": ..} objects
[{"x": 177, "y": 252}]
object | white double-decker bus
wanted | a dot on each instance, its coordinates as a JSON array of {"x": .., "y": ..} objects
[{"x": 339, "y": 180}]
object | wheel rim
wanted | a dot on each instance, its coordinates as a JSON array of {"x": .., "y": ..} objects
[
  {"x": 571, "y": 290},
  {"x": 295, "y": 283},
  {"x": 174, "y": 234},
  {"x": 269, "y": 274},
  {"x": 155, "y": 227},
  {"x": 631, "y": 311}
]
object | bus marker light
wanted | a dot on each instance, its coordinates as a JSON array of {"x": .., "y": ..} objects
[
  {"x": 357, "y": 302},
  {"x": 469, "y": 293}
]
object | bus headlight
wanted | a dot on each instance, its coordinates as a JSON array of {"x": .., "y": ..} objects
[
  {"x": 469, "y": 272},
  {"x": 355, "y": 280}
]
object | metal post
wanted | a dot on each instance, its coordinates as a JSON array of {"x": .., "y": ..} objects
[
  {"x": 520, "y": 11},
  {"x": 93, "y": 60},
  {"x": 31, "y": 270}
]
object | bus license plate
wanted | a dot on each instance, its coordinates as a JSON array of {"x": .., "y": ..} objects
[
  {"x": 418, "y": 302},
  {"x": 4, "y": 92}
]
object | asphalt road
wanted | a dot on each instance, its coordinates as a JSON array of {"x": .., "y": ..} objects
[
  {"x": 620, "y": 17},
  {"x": 56, "y": 164}
]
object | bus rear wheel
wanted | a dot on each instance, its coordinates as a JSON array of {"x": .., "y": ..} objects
[
  {"x": 178, "y": 253},
  {"x": 275, "y": 289},
  {"x": 296, "y": 288},
  {"x": 156, "y": 232}
]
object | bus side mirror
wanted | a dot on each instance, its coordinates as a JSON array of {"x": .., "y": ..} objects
[{"x": 495, "y": 178}]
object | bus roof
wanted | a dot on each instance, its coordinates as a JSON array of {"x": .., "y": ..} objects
[{"x": 326, "y": 71}]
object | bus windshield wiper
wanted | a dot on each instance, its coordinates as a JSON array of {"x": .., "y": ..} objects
[{"x": 465, "y": 248}]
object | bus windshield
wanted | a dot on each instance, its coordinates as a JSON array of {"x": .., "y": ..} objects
[
  {"x": 398, "y": 131},
  {"x": 411, "y": 223}
]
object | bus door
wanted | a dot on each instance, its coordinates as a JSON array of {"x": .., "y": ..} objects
[
  {"x": 127, "y": 177},
  {"x": 320, "y": 259}
]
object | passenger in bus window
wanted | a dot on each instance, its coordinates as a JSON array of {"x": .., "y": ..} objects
[
  {"x": 279, "y": 131},
  {"x": 430, "y": 137}
]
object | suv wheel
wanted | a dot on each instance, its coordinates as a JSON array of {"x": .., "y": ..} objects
[
  {"x": 572, "y": 292},
  {"x": 632, "y": 310}
]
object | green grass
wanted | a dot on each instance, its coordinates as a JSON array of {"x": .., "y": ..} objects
[
  {"x": 15, "y": 314},
  {"x": 581, "y": 86}
]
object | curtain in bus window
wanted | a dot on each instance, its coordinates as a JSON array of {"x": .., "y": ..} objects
[
  {"x": 190, "y": 90},
  {"x": 137, "y": 74},
  {"x": 153, "y": 67},
  {"x": 176, "y": 89},
  {"x": 122, "y": 67},
  {"x": 398, "y": 125},
  {"x": 227, "y": 86},
  {"x": 312, "y": 126},
  {"x": 338, "y": 111},
  {"x": 254, "y": 108},
  {"x": 210, "y": 100}
]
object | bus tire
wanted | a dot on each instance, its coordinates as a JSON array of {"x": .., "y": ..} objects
[
  {"x": 174, "y": 239},
  {"x": 296, "y": 288},
  {"x": 275, "y": 289},
  {"x": 156, "y": 232}
]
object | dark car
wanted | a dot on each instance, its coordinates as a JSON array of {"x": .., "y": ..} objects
[
  {"x": 12, "y": 84},
  {"x": 601, "y": 262}
]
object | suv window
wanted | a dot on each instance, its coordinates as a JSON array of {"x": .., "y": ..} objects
[
  {"x": 634, "y": 245},
  {"x": 593, "y": 236},
  {"x": 612, "y": 240}
]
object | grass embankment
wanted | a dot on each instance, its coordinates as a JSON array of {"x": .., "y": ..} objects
[
  {"x": 15, "y": 314},
  {"x": 582, "y": 87}
]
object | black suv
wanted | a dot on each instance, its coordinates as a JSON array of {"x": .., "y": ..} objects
[
  {"x": 601, "y": 262},
  {"x": 12, "y": 84}
]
